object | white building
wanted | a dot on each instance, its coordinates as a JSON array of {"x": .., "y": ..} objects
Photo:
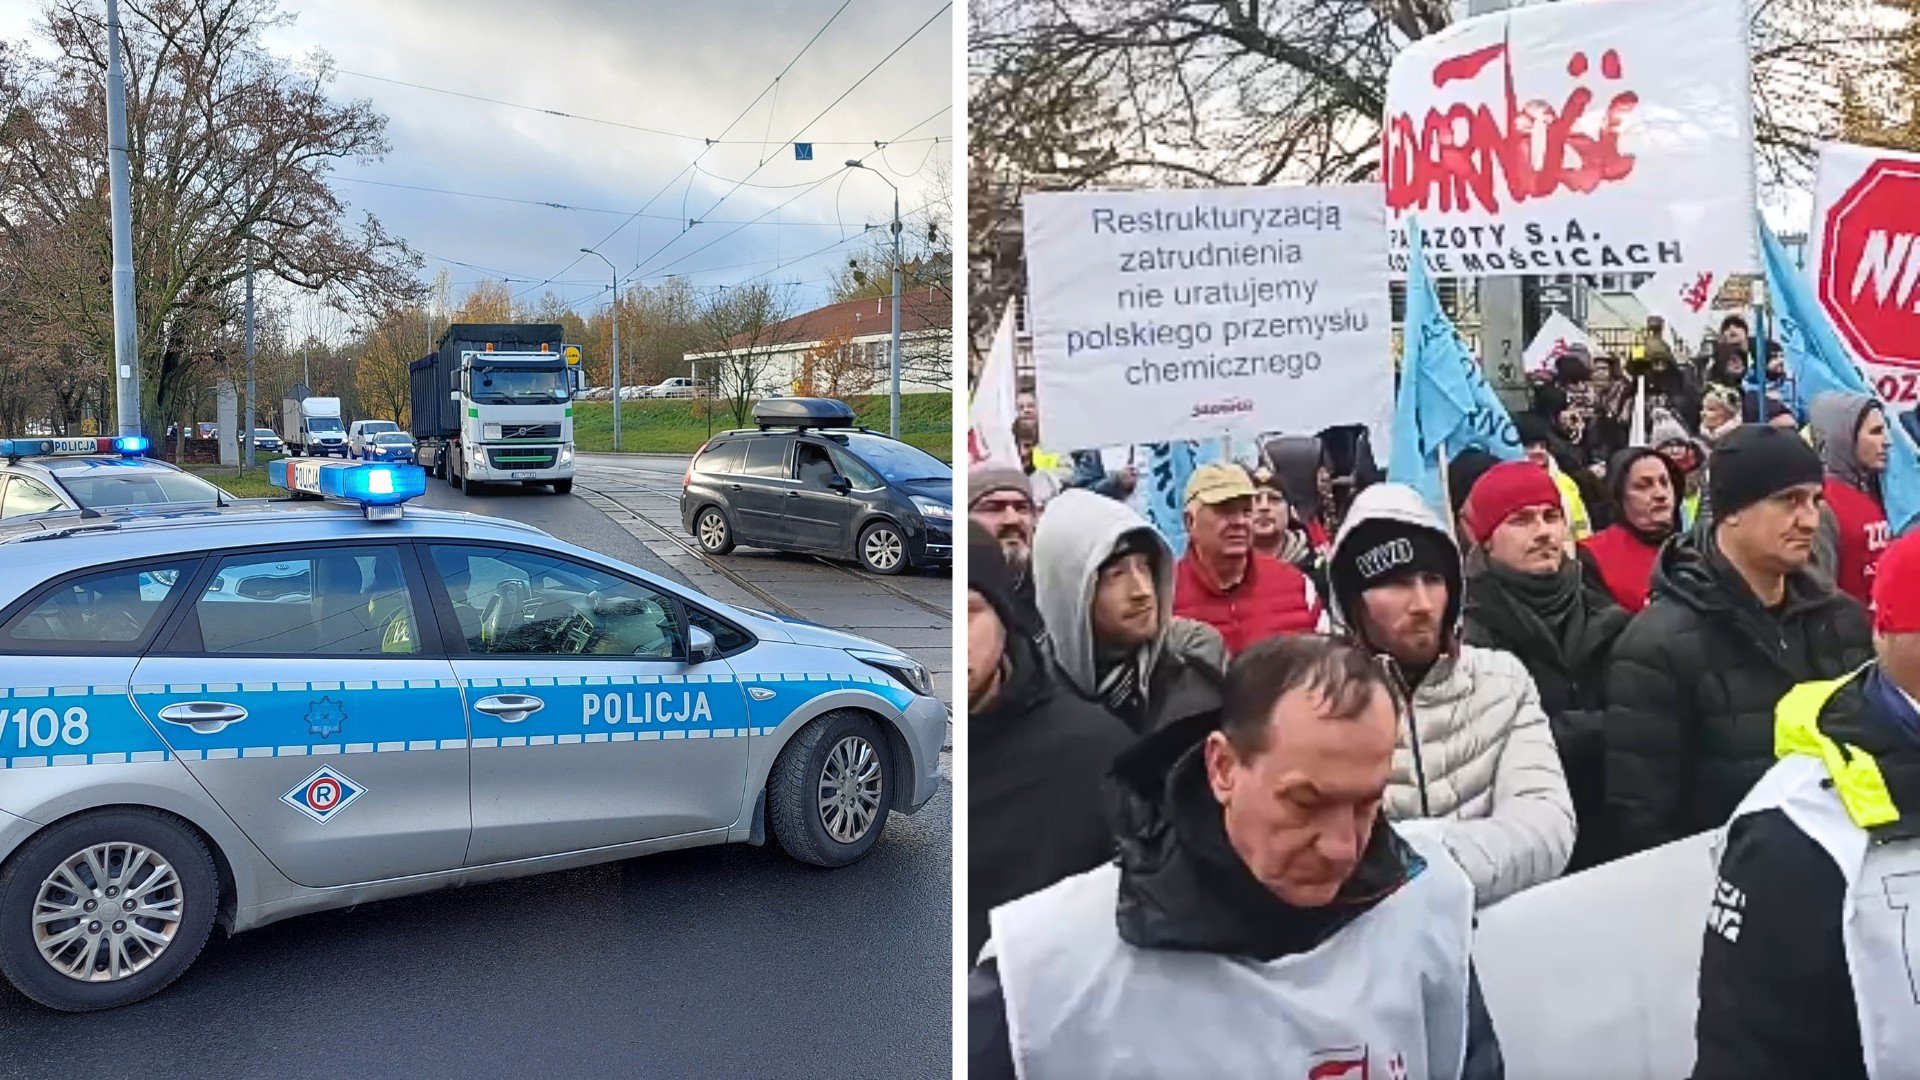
[{"x": 795, "y": 357}]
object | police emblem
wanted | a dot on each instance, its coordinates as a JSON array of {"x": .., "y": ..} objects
[
  {"x": 322, "y": 795},
  {"x": 325, "y": 718}
]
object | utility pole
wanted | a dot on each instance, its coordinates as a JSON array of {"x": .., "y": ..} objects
[
  {"x": 1502, "y": 322},
  {"x": 893, "y": 404},
  {"x": 126, "y": 339},
  {"x": 247, "y": 422},
  {"x": 616, "y": 343}
]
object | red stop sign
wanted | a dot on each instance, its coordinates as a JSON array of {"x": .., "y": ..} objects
[{"x": 1870, "y": 264}]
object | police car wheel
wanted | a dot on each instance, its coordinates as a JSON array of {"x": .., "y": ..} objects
[
  {"x": 882, "y": 549},
  {"x": 829, "y": 791},
  {"x": 106, "y": 908},
  {"x": 711, "y": 529}
]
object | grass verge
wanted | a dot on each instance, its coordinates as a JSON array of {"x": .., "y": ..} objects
[
  {"x": 239, "y": 483},
  {"x": 680, "y": 426}
]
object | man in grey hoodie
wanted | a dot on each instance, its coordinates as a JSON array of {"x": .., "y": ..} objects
[
  {"x": 1103, "y": 580},
  {"x": 1476, "y": 752}
]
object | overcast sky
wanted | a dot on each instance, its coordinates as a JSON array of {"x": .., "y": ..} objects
[{"x": 678, "y": 66}]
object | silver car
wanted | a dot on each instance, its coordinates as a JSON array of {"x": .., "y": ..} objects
[{"x": 229, "y": 716}]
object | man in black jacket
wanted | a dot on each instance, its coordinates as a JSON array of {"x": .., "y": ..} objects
[
  {"x": 1038, "y": 751},
  {"x": 1229, "y": 940},
  {"x": 1526, "y": 596},
  {"x": 1736, "y": 620},
  {"x": 1809, "y": 929}
]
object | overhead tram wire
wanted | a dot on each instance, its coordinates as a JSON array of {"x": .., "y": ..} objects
[
  {"x": 668, "y": 186},
  {"x": 944, "y": 8},
  {"x": 547, "y": 204}
]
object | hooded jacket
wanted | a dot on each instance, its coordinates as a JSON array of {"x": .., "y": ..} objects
[
  {"x": 1478, "y": 751},
  {"x": 1183, "y": 888},
  {"x": 1180, "y": 668},
  {"x": 1853, "y": 524},
  {"x": 1038, "y": 756},
  {"x": 1620, "y": 558},
  {"x": 1693, "y": 683}
]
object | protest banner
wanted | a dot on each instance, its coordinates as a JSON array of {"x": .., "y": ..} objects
[
  {"x": 1863, "y": 254},
  {"x": 1578, "y": 137},
  {"x": 991, "y": 413},
  {"x": 1556, "y": 336},
  {"x": 1163, "y": 315},
  {"x": 1596, "y": 976},
  {"x": 1683, "y": 296}
]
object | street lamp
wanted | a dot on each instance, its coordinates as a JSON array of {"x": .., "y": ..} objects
[
  {"x": 893, "y": 407},
  {"x": 616, "y": 343}
]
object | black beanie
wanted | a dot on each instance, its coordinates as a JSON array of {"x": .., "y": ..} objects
[
  {"x": 1753, "y": 461},
  {"x": 1463, "y": 470},
  {"x": 1378, "y": 550},
  {"x": 1533, "y": 428},
  {"x": 989, "y": 575}
]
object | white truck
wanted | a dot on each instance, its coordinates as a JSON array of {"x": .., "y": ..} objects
[
  {"x": 494, "y": 404},
  {"x": 312, "y": 424}
]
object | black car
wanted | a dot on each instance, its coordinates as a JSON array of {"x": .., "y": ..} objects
[{"x": 808, "y": 480}]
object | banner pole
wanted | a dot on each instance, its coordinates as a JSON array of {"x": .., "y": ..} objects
[{"x": 1446, "y": 490}]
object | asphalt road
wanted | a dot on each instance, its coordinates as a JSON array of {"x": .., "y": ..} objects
[{"x": 724, "y": 962}]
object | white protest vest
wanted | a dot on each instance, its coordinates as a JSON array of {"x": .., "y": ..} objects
[
  {"x": 1384, "y": 999},
  {"x": 1883, "y": 896}
]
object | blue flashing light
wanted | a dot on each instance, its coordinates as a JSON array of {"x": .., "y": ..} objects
[
  {"x": 132, "y": 445},
  {"x": 368, "y": 484}
]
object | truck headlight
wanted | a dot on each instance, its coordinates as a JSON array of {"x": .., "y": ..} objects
[
  {"x": 931, "y": 510},
  {"x": 490, "y": 431},
  {"x": 566, "y": 454},
  {"x": 904, "y": 671}
]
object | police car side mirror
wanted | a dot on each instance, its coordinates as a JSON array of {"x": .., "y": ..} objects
[{"x": 701, "y": 646}]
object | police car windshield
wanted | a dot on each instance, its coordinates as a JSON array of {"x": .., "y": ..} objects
[
  {"x": 897, "y": 461},
  {"x": 519, "y": 386},
  {"x": 323, "y": 423},
  {"x": 136, "y": 487}
]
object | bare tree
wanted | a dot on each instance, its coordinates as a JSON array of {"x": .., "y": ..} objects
[{"x": 743, "y": 330}]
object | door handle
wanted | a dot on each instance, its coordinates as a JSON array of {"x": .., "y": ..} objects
[
  {"x": 733, "y": 487},
  {"x": 793, "y": 494},
  {"x": 510, "y": 708},
  {"x": 203, "y": 717}
]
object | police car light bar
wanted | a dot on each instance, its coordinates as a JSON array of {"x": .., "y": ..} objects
[
  {"x": 127, "y": 445},
  {"x": 378, "y": 489}
]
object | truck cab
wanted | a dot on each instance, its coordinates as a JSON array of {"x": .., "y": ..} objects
[{"x": 495, "y": 405}]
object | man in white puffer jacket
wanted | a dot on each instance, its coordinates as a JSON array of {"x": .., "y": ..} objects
[{"x": 1479, "y": 754}]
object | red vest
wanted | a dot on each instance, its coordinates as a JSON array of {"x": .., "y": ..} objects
[
  {"x": 1863, "y": 535},
  {"x": 1271, "y": 600},
  {"x": 1626, "y": 564}
]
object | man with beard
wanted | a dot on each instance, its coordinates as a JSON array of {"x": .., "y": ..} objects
[
  {"x": 1850, "y": 434},
  {"x": 1263, "y": 918},
  {"x": 1037, "y": 751},
  {"x": 1476, "y": 751},
  {"x": 1524, "y": 595},
  {"x": 1735, "y": 621},
  {"x": 1000, "y": 500},
  {"x": 1103, "y": 579},
  {"x": 1222, "y": 581},
  {"x": 1643, "y": 486}
]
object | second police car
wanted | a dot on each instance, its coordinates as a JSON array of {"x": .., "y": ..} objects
[
  {"x": 232, "y": 715},
  {"x": 39, "y": 476}
]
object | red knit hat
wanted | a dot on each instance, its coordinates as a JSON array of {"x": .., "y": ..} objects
[
  {"x": 1507, "y": 489},
  {"x": 1896, "y": 587}
]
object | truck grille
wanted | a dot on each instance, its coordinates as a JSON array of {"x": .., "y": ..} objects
[
  {"x": 514, "y": 457},
  {"x": 530, "y": 431}
]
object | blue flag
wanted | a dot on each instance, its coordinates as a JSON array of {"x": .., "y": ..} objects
[
  {"x": 1818, "y": 363},
  {"x": 1445, "y": 401}
]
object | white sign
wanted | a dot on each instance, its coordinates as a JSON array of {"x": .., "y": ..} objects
[
  {"x": 1162, "y": 315},
  {"x": 1880, "y": 272},
  {"x": 1683, "y": 296},
  {"x": 1577, "y": 137},
  {"x": 1556, "y": 335},
  {"x": 991, "y": 414}
]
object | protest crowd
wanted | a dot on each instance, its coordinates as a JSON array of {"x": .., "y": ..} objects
[{"x": 1321, "y": 726}]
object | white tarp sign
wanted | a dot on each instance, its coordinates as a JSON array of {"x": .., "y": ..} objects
[
  {"x": 1596, "y": 976},
  {"x": 1683, "y": 296},
  {"x": 1193, "y": 314},
  {"x": 991, "y": 414},
  {"x": 1581, "y": 137},
  {"x": 1556, "y": 335},
  {"x": 1863, "y": 258}
]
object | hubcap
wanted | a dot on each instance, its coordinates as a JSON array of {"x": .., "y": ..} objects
[
  {"x": 82, "y": 946},
  {"x": 713, "y": 530},
  {"x": 850, "y": 789},
  {"x": 883, "y": 549}
]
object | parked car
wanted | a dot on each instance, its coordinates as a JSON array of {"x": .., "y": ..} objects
[
  {"x": 206, "y": 431},
  {"x": 678, "y": 388},
  {"x": 360, "y": 435},
  {"x": 43, "y": 476},
  {"x": 808, "y": 480}
]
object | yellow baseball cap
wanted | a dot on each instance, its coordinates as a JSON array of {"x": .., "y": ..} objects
[{"x": 1218, "y": 482}]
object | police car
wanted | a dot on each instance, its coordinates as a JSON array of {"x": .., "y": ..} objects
[
  {"x": 39, "y": 476},
  {"x": 231, "y": 715}
]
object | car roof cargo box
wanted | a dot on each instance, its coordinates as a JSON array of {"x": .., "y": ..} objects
[{"x": 802, "y": 412}]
